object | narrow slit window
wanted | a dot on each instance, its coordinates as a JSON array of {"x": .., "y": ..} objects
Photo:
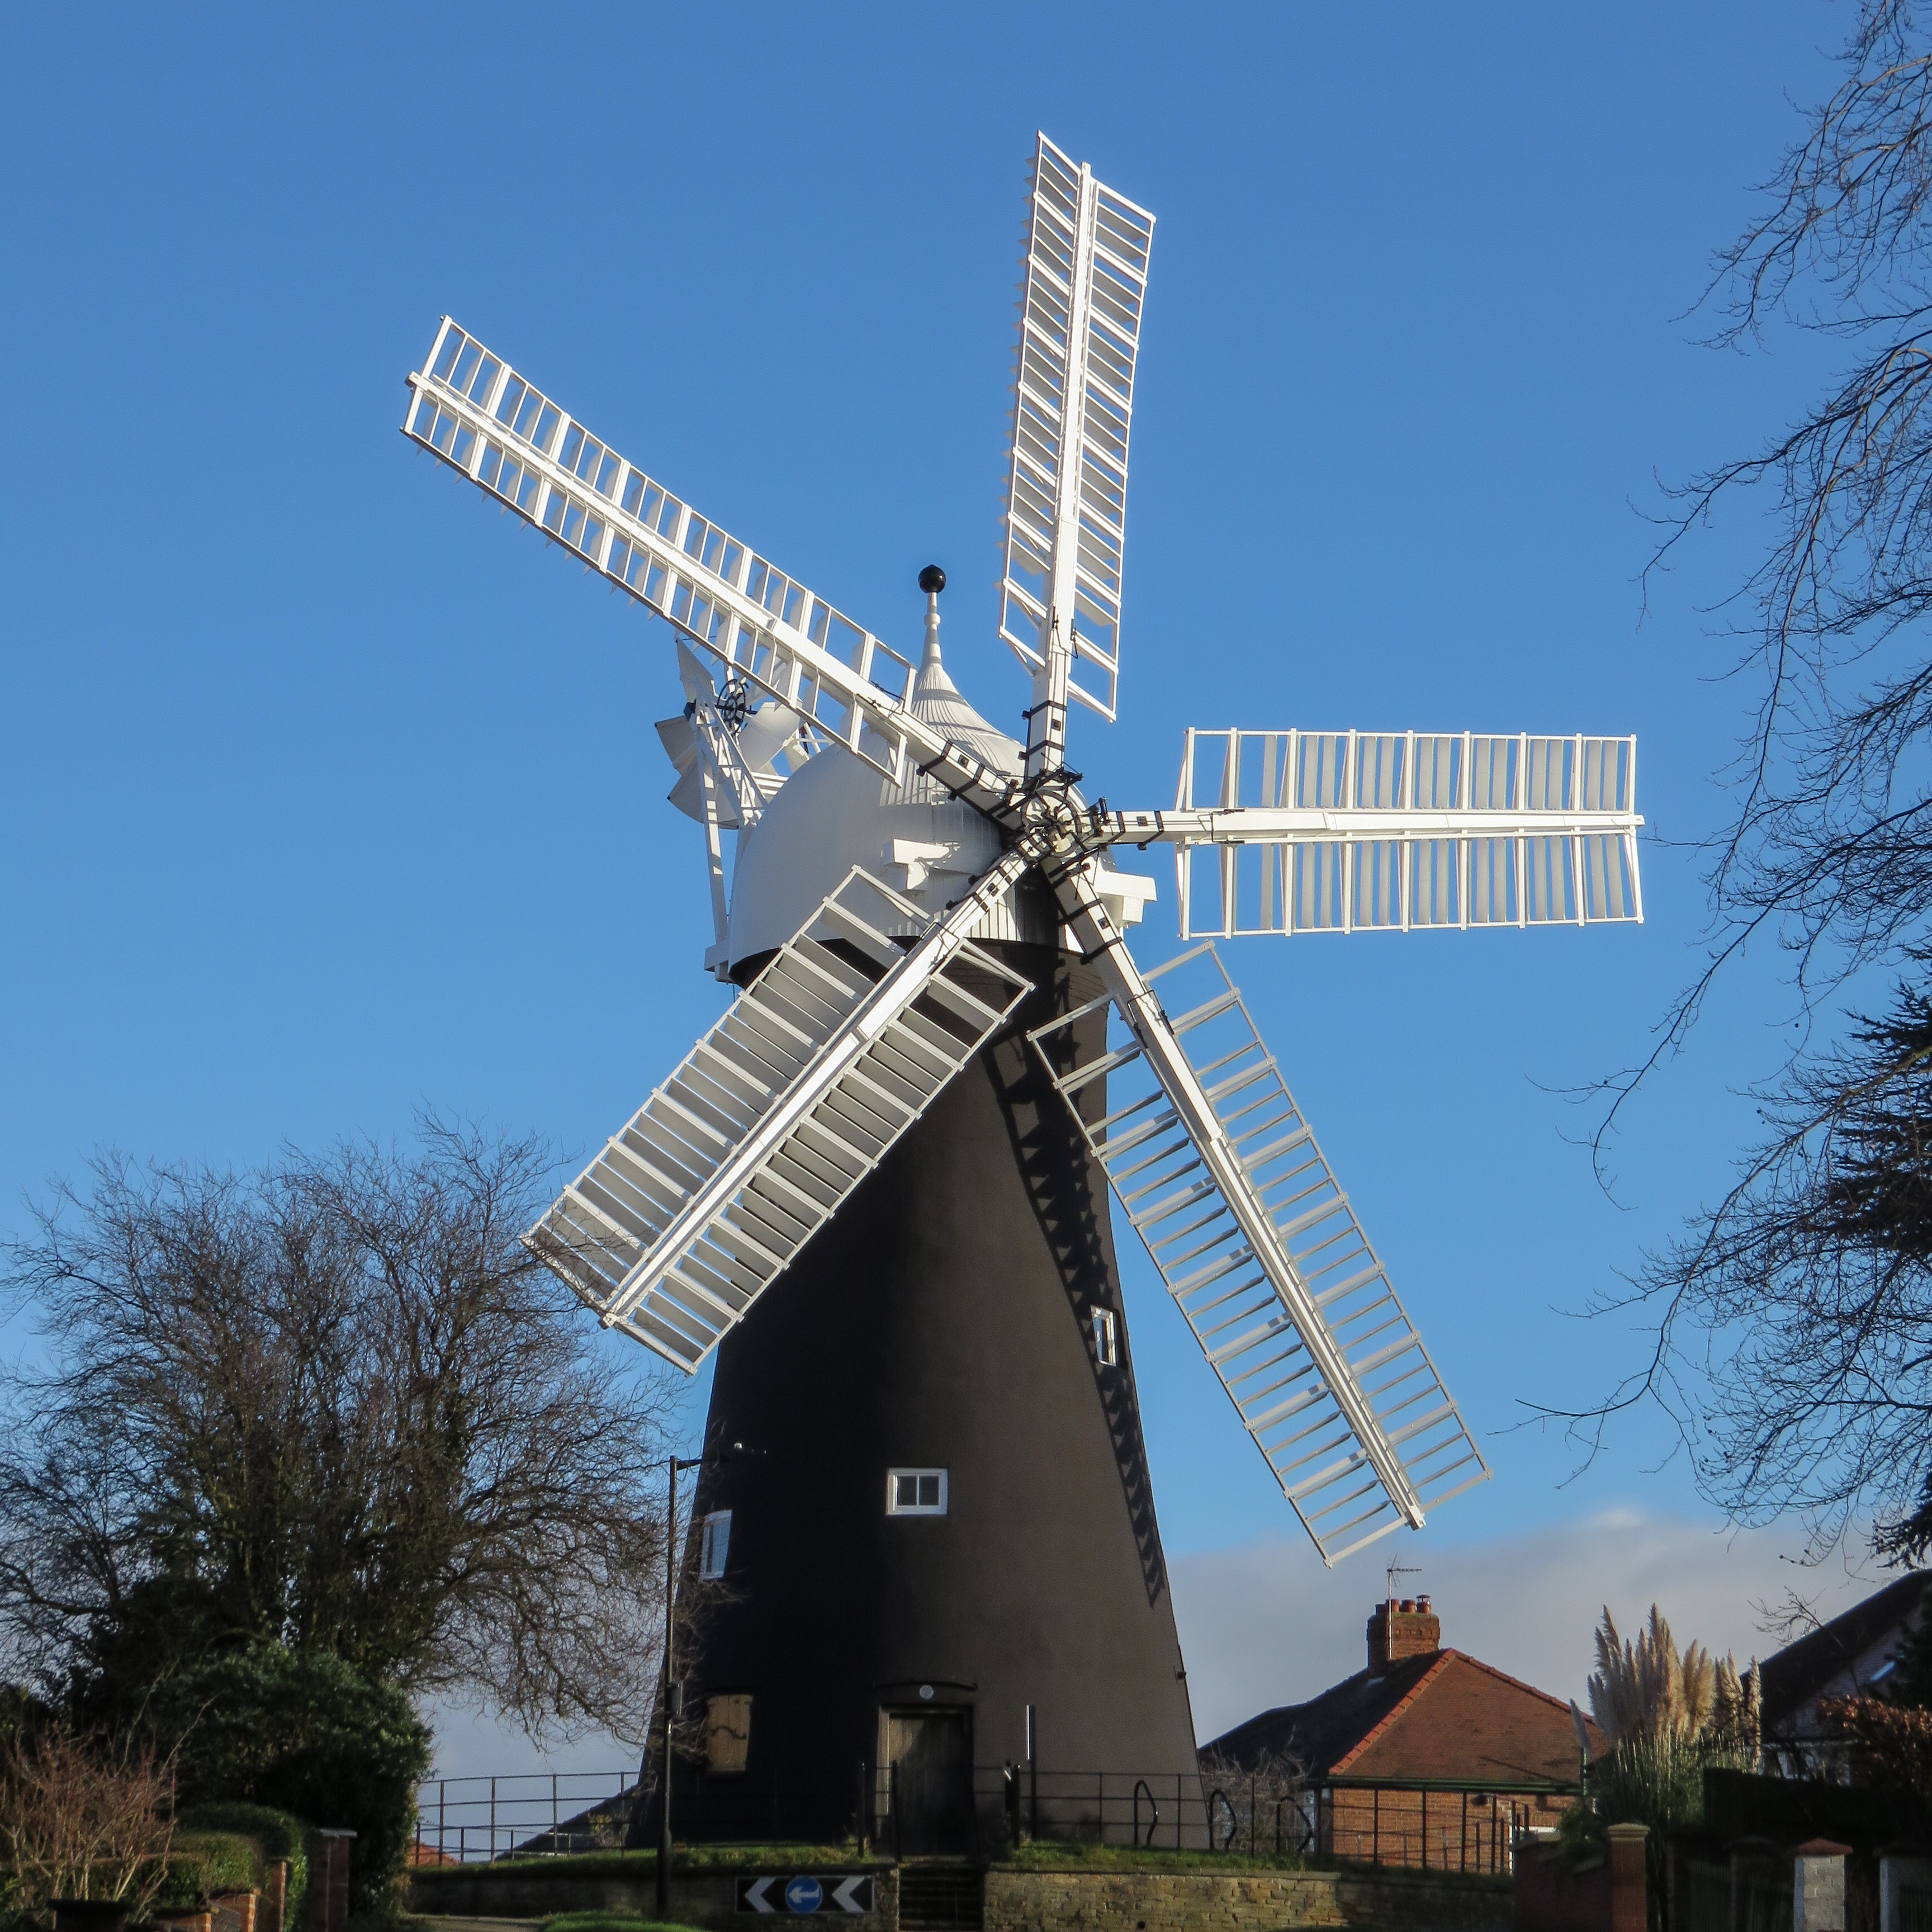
[
  {"x": 915, "y": 1492},
  {"x": 715, "y": 1545},
  {"x": 1105, "y": 1344}
]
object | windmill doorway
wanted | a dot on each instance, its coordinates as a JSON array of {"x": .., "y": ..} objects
[{"x": 930, "y": 1752}]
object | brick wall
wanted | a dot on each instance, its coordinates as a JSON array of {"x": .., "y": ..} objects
[
  {"x": 329, "y": 1886},
  {"x": 233, "y": 1912},
  {"x": 1598, "y": 1895},
  {"x": 272, "y": 1908}
]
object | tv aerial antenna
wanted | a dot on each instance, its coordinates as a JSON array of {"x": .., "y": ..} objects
[
  {"x": 1395, "y": 1570},
  {"x": 882, "y": 996}
]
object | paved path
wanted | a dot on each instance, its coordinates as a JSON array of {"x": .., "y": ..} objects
[{"x": 440, "y": 1924}]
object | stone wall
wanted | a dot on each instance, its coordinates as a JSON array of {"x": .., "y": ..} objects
[
  {"x": 697, "y": 1898},
  {"x": 1207, "y": 1901},
  {"x": 1025, "y": 1901}
]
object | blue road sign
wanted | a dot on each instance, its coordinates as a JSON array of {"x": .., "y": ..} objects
[{"x": 808, "y": 1895}]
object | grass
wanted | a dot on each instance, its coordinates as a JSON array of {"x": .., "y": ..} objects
[{"x": 1084, "y": 1854}]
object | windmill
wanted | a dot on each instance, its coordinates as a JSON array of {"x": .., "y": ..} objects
[{"x": 876, "y": 1188}]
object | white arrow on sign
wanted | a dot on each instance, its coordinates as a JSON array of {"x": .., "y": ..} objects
[
  {"x": 754, "y": 1895},
  {"x": 845, "y": 1898}
]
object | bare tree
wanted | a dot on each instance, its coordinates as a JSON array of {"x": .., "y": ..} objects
[
  {"x": 1269, "y": 1803},
  {"x": 1830, "y": 846},
  {"x": 1794, "y": 1342},
  {"x": 83, "y": 1818},
  {"x": 334, "y": 1404},
  {"x": 1792, "y": 1326}
]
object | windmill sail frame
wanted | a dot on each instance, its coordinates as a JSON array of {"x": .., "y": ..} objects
[
  {"x": 833, "y": 1051},
  {"x": 690, "y": 1213},
  {"x": 1086, "y": 263},
  {"x": 1262, "y": 1253},
  {"x": 1297, "y": 832}
]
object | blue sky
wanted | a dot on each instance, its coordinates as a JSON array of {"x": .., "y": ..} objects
[{"x": 327, "y": 796}]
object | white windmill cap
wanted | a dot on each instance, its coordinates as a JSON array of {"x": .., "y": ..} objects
[{"x": 838, "y": 812}]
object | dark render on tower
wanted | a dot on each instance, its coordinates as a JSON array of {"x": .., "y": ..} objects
[{"x": 943, "y": 1320}]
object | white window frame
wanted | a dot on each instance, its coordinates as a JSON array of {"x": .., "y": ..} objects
[
  {"x": 895, "y": 1507},
  {"x": 714, "y": 1546},
  {"x": 1106, "y": 1338}
]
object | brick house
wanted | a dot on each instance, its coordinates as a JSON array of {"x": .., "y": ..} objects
[{"x": 1426, "y": 1758}]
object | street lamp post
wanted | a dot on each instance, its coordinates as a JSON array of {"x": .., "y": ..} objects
[{"x": 737, "y": 1453}]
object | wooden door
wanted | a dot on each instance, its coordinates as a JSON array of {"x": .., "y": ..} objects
[{"x": 931, "y": 1755}]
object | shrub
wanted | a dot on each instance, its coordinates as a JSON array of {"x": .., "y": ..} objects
[
  {"x": 1895, "y": 1741},
  {"x": 1666, "y": 1716},
  {"x": 202, "y": 1863},
  {"x": 299, "y": 1730},
  {"x": 276, "y": 1835}
]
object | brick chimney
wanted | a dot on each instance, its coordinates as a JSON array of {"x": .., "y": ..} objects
[{"x": 1400, "y": 1627}]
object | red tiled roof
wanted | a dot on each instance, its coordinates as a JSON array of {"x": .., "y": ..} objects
[
  {"x": 1445, "y": 1717},
  {"x": 1346, "y": 1762},
  {"x": 1465, "y": 1719}
]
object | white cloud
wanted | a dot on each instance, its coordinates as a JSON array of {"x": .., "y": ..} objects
[
  {"x": 1264, "y": 1623},
  {"x": 474, "y": 1743}
]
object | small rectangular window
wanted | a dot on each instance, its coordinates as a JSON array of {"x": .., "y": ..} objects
[
  {"x": 716, "y": 1541},
  {"x": 1104, "y": 1349},
  {"x": 915, "y": 1492}
]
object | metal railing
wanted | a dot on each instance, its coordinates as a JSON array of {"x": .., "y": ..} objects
[
  {"x": 1465, "y": 1828},
  {"x": 1012, "y": 1803},
  {"x": 1441, "y": 1826},
  {"x": 527, "y": 1814}
]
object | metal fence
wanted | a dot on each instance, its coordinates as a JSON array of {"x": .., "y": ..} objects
[
  {"x": 1121, "y": 1807},
  {"x": 1178, "y": 1811},
  {"x": 1437, "y": 1827},
  {"x": 469, "y": 1820}
]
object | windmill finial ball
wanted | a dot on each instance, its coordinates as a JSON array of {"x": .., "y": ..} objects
[{"x": 932, "y": 579}]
